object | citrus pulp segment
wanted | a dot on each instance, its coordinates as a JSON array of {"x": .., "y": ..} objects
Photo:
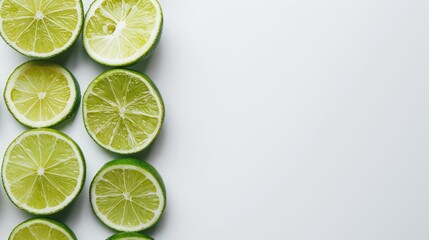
[
  {"x": 40, "y": 28},
  {"x": 43, "y": 171},
  {"x": 122, "y": 111},
  {"x": 129, "y": 236},
  {"x": 128, "y": 195},
  {"x": 42, "y": 229},
  {"x": 120, "y": 32},
  {"x": 41, "y": 94}
]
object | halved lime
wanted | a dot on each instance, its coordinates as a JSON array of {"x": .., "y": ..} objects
[
  {"x": 128, "y": 195},
  {"x": 120, "y": 32},
  {"x": 42, "y": 229},
  {"x": 43, "y": 171},
  {"x": 40, "y": 28},
  {"x": 123, "y": 111},
  {"x": 129, "y": 236},
  {"x": 41, "y": 94}
]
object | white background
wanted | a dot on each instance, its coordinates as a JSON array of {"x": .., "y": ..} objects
[{"x": 285, "y": 119}]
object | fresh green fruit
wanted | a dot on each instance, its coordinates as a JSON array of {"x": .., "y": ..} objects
[
  {"x": 122, "y": 111},
  {"x": 41, "y": 94},
  {"x": 43, "y": 171},
  {"x": 42, "y": 229},
  {"x": 120, "y": 32},
  {"x": 40, "y": 28},
  {"x": 128, "y": 195},
  {"x": 129, "y": 236}
]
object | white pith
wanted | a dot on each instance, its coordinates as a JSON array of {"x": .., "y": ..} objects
[{"x": 39, "y": 15}]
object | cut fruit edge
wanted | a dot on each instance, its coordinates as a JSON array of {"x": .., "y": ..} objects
[
  {"x": 71, "y": 106},
  {"x": 154, "y": 92},
  {"x": 80, "y": 179},
  {"x": 149, "y": 171},
  {"x": 128, "y": 235},
  {"x": 142, "y": 53},
  {"x": 45, "y": 221},
  {"x": 57, "y": 51}
]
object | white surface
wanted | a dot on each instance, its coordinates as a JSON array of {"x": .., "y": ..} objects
[{"x": 285, "y": 119}]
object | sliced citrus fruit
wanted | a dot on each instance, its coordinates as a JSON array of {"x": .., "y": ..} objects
[
  {"x": 129, "y": 236},
  {"x": 43, "y": 171},
  {"x": 122, "y": 111},
  {"x": 42, "y": 229},
  {"x": 41, "y": 94},
  {"x": 120, "y": 32},
  {"x": 128, "y": 195},
  {"x": 40, "y": 28}
]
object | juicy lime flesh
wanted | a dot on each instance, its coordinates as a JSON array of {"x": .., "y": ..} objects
[
  {"x": 40, "y": 231},
  {"x": 40, "y": 92},
  {"x": 118, "y": 28},
  {"x": 42, "y": 171},
  {"x": 39, "y": 26},
  {"x": 122, "y": 112},
  {"x": 126, "y": 197}
]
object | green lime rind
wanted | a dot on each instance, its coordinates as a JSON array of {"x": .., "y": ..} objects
[
  {"x": 65, "y": 229},
  {"x": 142, "y": 57},
  {"x": 54, "y": 53},
  {"x": 129, "y": 235},
  {"x": 81, "y": 156},
  {"x": 144, "y": 78},
  {"x": 70, "y": 113},
  {"x": 129, "y": 162}
]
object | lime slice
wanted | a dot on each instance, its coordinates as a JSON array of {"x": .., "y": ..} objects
[
  {"x": 40, "y": 28},
  {"x": 41, "y": 94},
  {"x": 123, "y": 111},
  {"x": 129, "y": 236},
  {"x": 43, "y": 171},
  {"x": 42, "y": 229},
  {"x": 120, "y": 32},
  {"x": 128, "y": 195}
]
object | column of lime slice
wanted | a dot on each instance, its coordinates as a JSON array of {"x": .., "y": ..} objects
[{"x": 123, "y": 112}]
